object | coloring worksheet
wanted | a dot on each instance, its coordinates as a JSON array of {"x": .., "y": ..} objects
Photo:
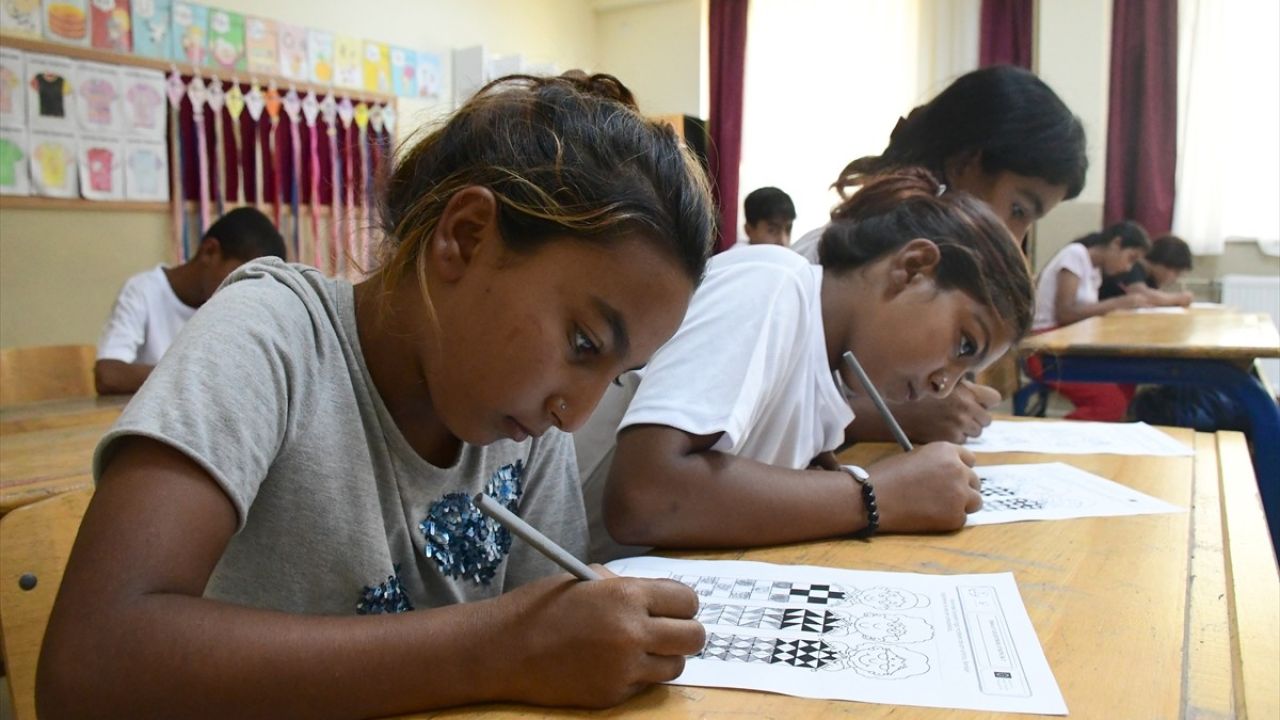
[
  {"x": 1076, "y": 438},
  {"x": 1056, "y": 491},
  {"x": 948, "y": 641},
  {"x": 99, "y": 103}
]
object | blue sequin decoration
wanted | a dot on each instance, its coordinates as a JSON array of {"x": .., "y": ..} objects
[
  {"x": 465, "y": 543},
  {"x": 384, "y": 598}
]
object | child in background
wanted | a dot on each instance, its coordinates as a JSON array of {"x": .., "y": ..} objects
[
  {"x": 153, "y": 306},
  {"x": 1002, "y": 135},
  {"x": 1166, "y": 261},
  {"x": 307, "y": 451},
  {"x": 1067, "y": 292},
  {"x": 770, "y": 215},
  {"x": 921, "y": 287}
]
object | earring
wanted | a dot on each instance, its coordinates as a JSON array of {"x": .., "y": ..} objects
[{"x": 563, "y": 406}]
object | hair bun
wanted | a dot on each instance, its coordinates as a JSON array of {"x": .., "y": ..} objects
[{"x": 601, "y": 85}]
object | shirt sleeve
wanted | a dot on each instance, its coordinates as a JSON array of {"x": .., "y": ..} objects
[
  {"x": 126, "y": 328},
  {"x": 716, "y": 374}
]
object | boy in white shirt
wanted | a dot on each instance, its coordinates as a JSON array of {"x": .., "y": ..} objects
[{"x": 154, "y": 305}]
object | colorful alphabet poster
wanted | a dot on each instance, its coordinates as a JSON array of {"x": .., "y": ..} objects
[
  {"x": 320, "y": 57},
  {"x": 293, "y": 52},
  {"x": 226, "y": 41},
  {"x": 53, "y": 163},
  {"x": 50, "y": 80},
  {"x": 404, "y": 72},
  {"x": 67, "y": 21},
  {"x": 146, "y": 170},
  {"x": 143, "y": 98},
  {"x": 190, "y": 33},
  {"x": 151, "y": 23},
  {"x": 101, "y": 168},
  {"x": 346, "y": 62},
  {"x": 22, "y": 18},
  {"x": 14, "y": 178},
  {"x": 109, "y": 24},
  {"x": 260, "y": 45},
  {"x": 98, "y": 97},
  {"x": 13, "y": 98},
  {"x": 377, "y": 67}
]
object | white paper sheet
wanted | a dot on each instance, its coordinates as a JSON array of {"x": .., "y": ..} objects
[
  {"x": 1159, "y": 310},
  {"x": 948, "y": 641},
  {"x": 1056, "y": 491},
  {"x": 1074, "y": 437}
]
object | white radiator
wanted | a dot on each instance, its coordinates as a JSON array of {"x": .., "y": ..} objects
[{"x": 1256, "y": 293}]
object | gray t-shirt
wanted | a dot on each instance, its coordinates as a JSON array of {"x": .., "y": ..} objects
[{"x": 267, "y": 390}]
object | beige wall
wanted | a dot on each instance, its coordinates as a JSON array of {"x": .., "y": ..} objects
[
  {"x": 655, "y": 48},
  {"x": 60, "y": 271}
]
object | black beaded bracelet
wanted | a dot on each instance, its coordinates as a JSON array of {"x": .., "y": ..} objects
[{"x": 868, "y": 501}]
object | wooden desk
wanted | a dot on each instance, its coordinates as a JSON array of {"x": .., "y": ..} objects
[
  {"x": 94, "y": 411},
  {"x": 1212, "y": 348},
  {"x": 1128, "y": 626},
  {"x": 42, "y": 454}
]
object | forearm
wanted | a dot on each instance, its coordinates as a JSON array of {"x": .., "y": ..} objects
[
  {"x": 169, "y": 655},
  {"x": 115, "y": 377},
  {"x": 711, "y": 499},
  {"x": 1075, "y": 312}
]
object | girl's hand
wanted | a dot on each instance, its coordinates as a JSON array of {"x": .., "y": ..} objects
[
  {"x": 1133, "y": 300},
  {"x": 930, "y": 489},
  {"x": 596, "y": 643}
]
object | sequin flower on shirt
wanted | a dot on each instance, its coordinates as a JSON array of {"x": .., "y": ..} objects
[
  {"x": 465, "y": 542},
  {"x": 384, "y": 598}
]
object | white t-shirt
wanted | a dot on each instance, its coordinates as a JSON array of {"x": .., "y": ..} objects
[
  {"x": 807, "y": 245},
  {"x": 144, "y": 321},
  {"x": 1074, "y": 258},
  {"x": 749, "y": 361}
]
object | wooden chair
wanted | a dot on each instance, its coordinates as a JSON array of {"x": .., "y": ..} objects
[
  {"x": 52, "y": 372},
  {"x": 35, "y": 542}
]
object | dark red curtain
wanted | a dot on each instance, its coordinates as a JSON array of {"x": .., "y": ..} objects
[
  {"x": 728, "y": 53},
  {"x": 1143, "y": 113},
  {"x": 1006, "y": 33}
]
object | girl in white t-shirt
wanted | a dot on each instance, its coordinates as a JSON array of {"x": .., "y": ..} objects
[
  {"x": 717, "y": 438},
  {"x": 1067, "y": 292}
]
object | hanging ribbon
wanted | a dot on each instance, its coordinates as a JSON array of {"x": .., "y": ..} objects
[
  {"x": 293, "y": 111},
  {"x": 375, "y": 163},
  {"x": 329, "y": 111},
  {"x": 345, "y": 112},
  {"x": 216, "y": 99},
  {"x": 310, "y": 110},
  {"x": 196, "y": 94},
  {"x": 273, "y": 148},
  {"x": 254, "y": 102},
  {"x": 176, "y": 89},
  {"x": 362, "y": 128},
  {"x": 235, "y": 105}
]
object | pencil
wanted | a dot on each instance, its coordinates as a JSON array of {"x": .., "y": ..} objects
[
  {"x": 889, "y": 420},
  {"x": 530, "y": 534}
]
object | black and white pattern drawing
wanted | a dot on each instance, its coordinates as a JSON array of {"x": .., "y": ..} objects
[
  {"x": 875, "y": 626},
  {"x": 871, "y": 660}
]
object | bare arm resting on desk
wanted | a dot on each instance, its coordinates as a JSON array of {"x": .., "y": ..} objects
[
  {"x": 131, "y": 636},
  {"x": 1160, "y": 298},
  {"x": 117, "y": 377},
  {"x": 1067, "y": 310},
  {"x": 667, "y": 488}
]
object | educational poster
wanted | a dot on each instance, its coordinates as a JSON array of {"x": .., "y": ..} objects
[
  {"x": 946, "y": 641},
  {"x": 1056, "y": 491},
  {"x": 13, "y": 98},
  {"x": 260, "y": 45},
  {"x": 101, "y": 168},
  {"x": 53, "y": 163},
  {"x": 346, "y": 62},
  {"x": 226, "y": 41},
  {"x": 110, "y": 25},
  {"x": 1076, "y": 438},
  {"x": 404, "y": 72},
  {"x": 429, "y": 76},
  {"x": 14, "y": 175},
  {"x": 144, "y": 103},
  {"x": 190, "y": 32},
  {"x": 293, "y": 52},
  {"x": 98, "y": 102},
  {"x": 50, "y": 80},
  {"x": 146, "y": 170},
  {"x": 67, "y": 21},
  {"x": 22, "y": 18},
  {"x": 377, "y": 67},
  {"x": 320, "y": 57},
  {"x": 151, "y": 21}
]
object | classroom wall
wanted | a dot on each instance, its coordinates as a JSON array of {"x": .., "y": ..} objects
[
  {"x": 60, "y": 270},
  {"x": 655, "y": 48}
]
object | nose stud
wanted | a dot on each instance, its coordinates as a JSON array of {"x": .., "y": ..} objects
[{"x": 563, "y": 406}]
